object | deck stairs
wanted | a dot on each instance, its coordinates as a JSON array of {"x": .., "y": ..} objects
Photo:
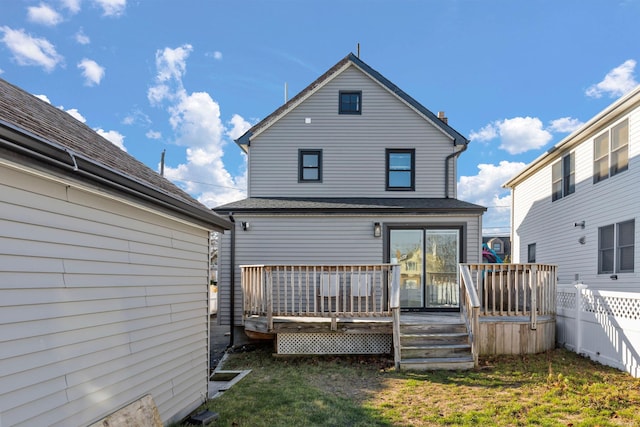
[{"x": 434, "y": 342}]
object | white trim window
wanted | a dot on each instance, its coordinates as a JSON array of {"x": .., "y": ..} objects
[
  {"x": 611, "y": 152},
  {"x": 616, "y": 248},
  {"x": 563, "y": 177}
]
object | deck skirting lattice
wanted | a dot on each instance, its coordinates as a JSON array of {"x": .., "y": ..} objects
[{"x": 333, "y": 343}]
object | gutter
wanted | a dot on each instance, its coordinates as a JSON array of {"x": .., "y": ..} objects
[
  {"x": 446, "y": 167},
  {"x": 32, "y": 146}
]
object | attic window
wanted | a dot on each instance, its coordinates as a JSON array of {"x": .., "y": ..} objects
[{"x": 350, "y": 102}]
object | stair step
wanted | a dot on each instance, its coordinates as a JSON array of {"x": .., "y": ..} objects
[
  {"x": 433, "y": 339},
  {"x": 432, "y": 327},
  {"x": 435, "y": 351},
  {"x": 437, "y": 363}
]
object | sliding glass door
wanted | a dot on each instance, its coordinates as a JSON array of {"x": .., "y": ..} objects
[{"x": 428, "y": 259}]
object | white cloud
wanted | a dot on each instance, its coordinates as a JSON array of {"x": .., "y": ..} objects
[
  {"x": 153, "y": 134},
  {"x": 28, "y": 50},
  {"x": 522, "y": 134},
  {"x": 113, "y": 136},
  {"x": 215, "y": 55},
  {"x": 45, "y": 98},
  {"x": 485, "y": 189},
  {"x": 172, "y": 63},
  {"x": 112, "y": 7},
  {"x": 616, "y": 83},
  {"x": 487, "y": 133},
  {"x": 91, "y": 71},
  {"x": 82, "y": 38},
  {"x": 565, "y": 125},
  {"x": 238, "y": 127},
  {"x": 197, "y": 125},
  {"x": 72, "y": 5},
  {"x": 517, "y": 135},
  {"x": 43, "y": 14},
  {"x": 76, "y": 115}
]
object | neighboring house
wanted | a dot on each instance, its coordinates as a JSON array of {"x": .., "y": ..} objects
[
  {"x": 501, "y": 245},
  {"x": 352, "y": 170},
  {"x": 103, "y": 275},
  {"x": 576, "y": 206}
]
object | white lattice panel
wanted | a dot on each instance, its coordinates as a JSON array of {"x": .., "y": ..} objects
[
  {"x": 620, "y": 307},
  {"x": 333, "y": 343},
  {"x": 566, "y": 300}
]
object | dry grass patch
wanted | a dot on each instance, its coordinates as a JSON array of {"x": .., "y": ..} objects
[{"x": 557, "y": 388}]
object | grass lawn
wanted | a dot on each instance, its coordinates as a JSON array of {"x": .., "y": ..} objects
[{"x": 558, "y": 388}]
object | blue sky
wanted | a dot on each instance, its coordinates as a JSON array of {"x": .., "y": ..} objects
[{"x": 189, "y": 76}]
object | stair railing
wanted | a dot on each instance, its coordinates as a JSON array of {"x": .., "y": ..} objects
[{"x": 470, "y": 304}]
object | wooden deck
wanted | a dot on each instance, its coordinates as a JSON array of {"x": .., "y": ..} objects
[
  {"x": 497, "y": 334},
  {"x": 355, "y": 309}
]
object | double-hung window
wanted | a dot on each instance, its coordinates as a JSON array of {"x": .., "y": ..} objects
[
  {"x": 350, "y": 102},
  {"x": 310, "y": 166},
  {"x": 401, "y": 173},
  {"x": 563, "y": 177},
  {"x": 611, "y": 152},
  {"x": 616, "y": 243}
]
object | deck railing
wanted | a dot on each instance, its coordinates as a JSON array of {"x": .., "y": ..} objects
[
  {"x": 317, "y": 290},
  {"x": 514, "y": 289}
]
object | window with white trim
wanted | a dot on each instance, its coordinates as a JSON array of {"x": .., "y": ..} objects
[
  {"x": 611, "y": 152},
  {"x": 563, "y": 177},
  {"x": 616, "y": 248}
]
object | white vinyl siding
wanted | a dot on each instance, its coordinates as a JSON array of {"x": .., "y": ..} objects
[
  {"x": 316, "y": 240},
  {"x": 101, "y": 302},
  {"x": 555, "y": 227},
  {"x": 353, "y": 146}
]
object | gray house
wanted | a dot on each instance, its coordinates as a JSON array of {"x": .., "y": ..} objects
[
  {"x": 103, "y": 275},
  {"x": 348, "y": 179}
]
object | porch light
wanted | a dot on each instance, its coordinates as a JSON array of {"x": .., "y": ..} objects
[
  {"x": 245, "y": 225},
  {"x": 377, "y": 229}
]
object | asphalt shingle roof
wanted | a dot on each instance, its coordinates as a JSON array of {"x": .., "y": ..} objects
[
  {"x": 46, "y": 124},
  {"x": 348, "y": 204}
]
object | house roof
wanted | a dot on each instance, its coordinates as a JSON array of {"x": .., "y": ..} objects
[
  {"x": 34, "y": 131},
  {"x": 594, "y": 126},
  {"x": 342, "y": 205},
  {"x": 245, "y": 140}
]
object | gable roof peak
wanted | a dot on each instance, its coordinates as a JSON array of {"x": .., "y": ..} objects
[{"x": 245, "y": 140}]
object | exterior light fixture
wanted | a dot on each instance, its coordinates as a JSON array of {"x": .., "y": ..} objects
[
  {"x": 245, "y": 225},
  {"x": 377, "y": 229}
]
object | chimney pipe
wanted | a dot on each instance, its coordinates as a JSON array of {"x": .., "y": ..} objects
[{"x": 442, "y": 117}]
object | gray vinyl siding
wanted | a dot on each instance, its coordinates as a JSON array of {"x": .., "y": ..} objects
[
  {"x": 551, "y": 224},
  {"x": 101, "y": 302},
  {"x": 316, "y": 240},
  {"x": 353, "y": 146}
]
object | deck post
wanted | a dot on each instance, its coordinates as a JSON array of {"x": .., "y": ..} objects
[{"x": 533, "y": 285}]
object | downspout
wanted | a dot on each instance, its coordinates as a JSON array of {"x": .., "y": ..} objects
[
  {"x": 446, "y": 167},
  {"x": 232, "y": 281}
]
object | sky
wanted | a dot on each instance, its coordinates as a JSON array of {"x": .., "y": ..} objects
[{"x": 187, "y": 77}]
